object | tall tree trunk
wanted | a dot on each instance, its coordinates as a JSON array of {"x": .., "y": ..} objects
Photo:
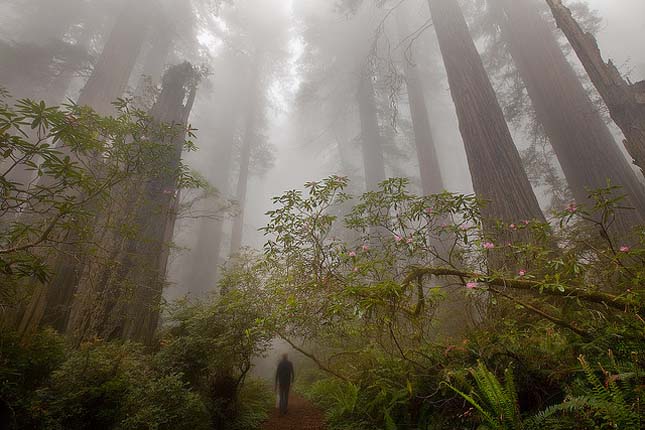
[
  {"x": 494, "y": 162},
  {"x": 162, "y": 37},
  {"x": 626, "y": 101},
  {"x": 587, "y": 151},
  {"x": 51, "y": 303},
  {"x": 118, "y": 58},
  {"x": 429, "y": 169},
  {"x": 206, "y": 253},
  {"x": 123, "y": 299},
  {"x": 248, "y": 141},
  {"x": 371, "y": 139}
]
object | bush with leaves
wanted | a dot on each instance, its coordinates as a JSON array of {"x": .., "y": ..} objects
[
  {"x": 212, "y": 345},
  {"x": 360, "y": 292},
  {"x": 61, "y": 167},
  {"x": 195, "y": 380}
]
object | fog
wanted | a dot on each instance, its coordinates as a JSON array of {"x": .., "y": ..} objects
[
  {"x": 301, "y": 157},
  {"x": 277, "y": 102}
]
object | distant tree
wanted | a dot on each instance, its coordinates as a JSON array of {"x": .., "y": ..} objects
[
  {"x": 112, "y": 71},
  {"x": 371, "y": 139},
  {"x": 429, "y": 166},
  {"x": 261, "y": 42}
]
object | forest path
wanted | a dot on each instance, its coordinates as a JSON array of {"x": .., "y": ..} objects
[{"x": 302, "y": 415}]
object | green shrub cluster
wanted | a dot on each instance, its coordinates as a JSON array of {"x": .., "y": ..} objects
[
  {"x": 422, "y": 315},
  {"x": 194, "y": 379}
]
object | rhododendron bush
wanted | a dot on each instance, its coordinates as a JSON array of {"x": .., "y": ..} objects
[{"x": 396, "y": 296}]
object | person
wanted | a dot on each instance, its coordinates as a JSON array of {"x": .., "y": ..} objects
[{"x": 283, "y": 378}]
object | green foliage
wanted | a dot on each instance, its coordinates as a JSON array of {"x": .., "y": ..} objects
[
  {"x": 196, "y": 380},
  {"x": 399, "y": 295},
  {"x": 26, "y": 365},
  {"x": 255, "y": 399},
  {"x": 111, "y": 385},
  {"x": 61, "y": 167},
  {"x": 495, "y": 402},
  {"x": 614, "y": 403}
]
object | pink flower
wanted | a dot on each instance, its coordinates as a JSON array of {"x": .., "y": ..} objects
[
  {"x": 365, "y": 248},
  {"x": 522, "y": 272},
  {"x": 512, "y": 227},
  {"x": 526, "y": 222},
  {"x": 471, "y": 285},
  {"x": 464, "y": 226},
  {"x": 409, "y": 240},
  {"x": 489, "y": 245},
  {"x": 355, "y": 269},
  {"x": 429, "y": 211},
  {"x": 398, "y": 238},
  {"x": 352, "y": 254},
  {"x": 572, "y": 208},
  {"x": 624, "y": 248}
]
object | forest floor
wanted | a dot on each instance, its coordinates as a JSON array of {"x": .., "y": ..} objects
[{"x": 302, "y": 415}]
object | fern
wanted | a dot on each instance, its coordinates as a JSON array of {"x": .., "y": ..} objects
[
  {"x": 496, "y": 403},
  {"x": 606, "y": 403}
]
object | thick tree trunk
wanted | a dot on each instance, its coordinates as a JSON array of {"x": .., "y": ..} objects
[
  {"x": 429, "y": 169},
  {"x": 587, "y": 151},
  {"x": 626, "y": 101},
  {"x": 51, "y": 303},
  {"x": 162, "y": 37},
  {"x": 113, "y": 69},
  {"x": 122, "y": 300},
  {"x": 495, "y": 164},
  {"x": 371, "y": 139}
]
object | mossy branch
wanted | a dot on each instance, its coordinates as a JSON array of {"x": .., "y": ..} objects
[{"x": 611, "y": 300}]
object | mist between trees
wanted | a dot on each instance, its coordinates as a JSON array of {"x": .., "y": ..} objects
[{"x": 436, "y": 206}]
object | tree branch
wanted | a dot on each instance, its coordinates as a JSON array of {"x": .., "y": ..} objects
[
  {"x": 607, "y": 299},
  {"x": 314, "y": 359}
]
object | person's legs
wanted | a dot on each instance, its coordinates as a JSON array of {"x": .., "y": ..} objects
[{"x": 284, "y": 398}]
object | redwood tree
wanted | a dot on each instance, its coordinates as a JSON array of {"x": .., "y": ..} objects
[
  {"x": 122, "y": 300},
  {"x": 585, "y": 148},
  {"x": 429, "y": 169},
  {"x": 51, "y": 303},
  {"x": 249, "y": 139},
  {"x": 371, "y": 139},
  {"x": 112, "y": 72},
  {"x": 493, "y": 159},
  {"x": 625, "y": 100}
]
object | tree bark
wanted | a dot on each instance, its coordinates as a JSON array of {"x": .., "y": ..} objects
[
  {"x": 51, "y": 303},
  {"x": 371, "y": 139},
  {"x": 162, "y": 38},
  {"x": 123, "y": 299},
  {"x": 118, "y": 58},
  {"x": 626, "y": 101},
  {"x": 429, "y": 168},
  {"x": 585, "y": 148},
  {"x": 494, "y": 162}
]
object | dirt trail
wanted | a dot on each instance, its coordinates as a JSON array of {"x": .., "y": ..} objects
[{"x": 302, "y": 415}]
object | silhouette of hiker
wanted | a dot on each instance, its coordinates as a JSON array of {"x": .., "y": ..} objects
[{"x": 283, "y": 379}]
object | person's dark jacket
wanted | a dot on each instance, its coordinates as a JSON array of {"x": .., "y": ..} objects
[{"x": 284, "y": 375}]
